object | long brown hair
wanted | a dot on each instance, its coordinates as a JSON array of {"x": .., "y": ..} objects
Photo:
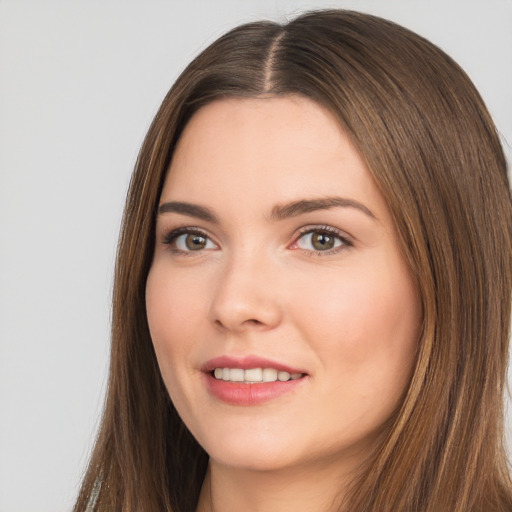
[{"x": 433, "y": 151}]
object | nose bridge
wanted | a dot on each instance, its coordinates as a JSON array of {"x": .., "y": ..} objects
[{"x": 245, "y": 296}]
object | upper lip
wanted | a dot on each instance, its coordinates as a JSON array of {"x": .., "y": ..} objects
[{"x": 247, "y": 362}]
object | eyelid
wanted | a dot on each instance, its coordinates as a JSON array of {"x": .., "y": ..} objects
[
  {"x": 346, "y": 239},
  {"x": 172, "y": 235}
]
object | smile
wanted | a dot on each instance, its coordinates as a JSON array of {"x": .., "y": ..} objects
[
  {"x": 251, "y": 380},
  {"x": 254, "y": 375}
]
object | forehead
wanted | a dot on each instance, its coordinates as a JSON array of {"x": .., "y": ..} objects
[
  {"x": 266, "y": 150},
  {"x": 257, "y": 129}
]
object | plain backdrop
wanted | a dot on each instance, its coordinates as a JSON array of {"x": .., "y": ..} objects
[{"x": 79, "y": 84}]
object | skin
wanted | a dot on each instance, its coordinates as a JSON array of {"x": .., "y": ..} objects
[{"x": 348, "y": 316}]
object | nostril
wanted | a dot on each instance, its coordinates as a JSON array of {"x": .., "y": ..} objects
[{"x": 253, "y": 321}]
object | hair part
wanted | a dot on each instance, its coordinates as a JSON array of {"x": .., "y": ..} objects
[{"x": 432, "y": 149}]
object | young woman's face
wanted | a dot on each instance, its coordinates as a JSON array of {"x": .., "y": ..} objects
[{"x": 283, "y": 316}]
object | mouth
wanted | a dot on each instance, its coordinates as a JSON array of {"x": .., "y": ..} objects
[
  {"x": 254, "y": 375},
  {"x": 250, "y": 380}
]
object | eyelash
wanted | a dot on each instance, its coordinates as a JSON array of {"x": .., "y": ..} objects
[
  {"x": 171, "y": 237},
  {"x": 329, "y": 230}
]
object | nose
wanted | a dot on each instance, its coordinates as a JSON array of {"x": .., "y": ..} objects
[{"x": 246, "y": 296}]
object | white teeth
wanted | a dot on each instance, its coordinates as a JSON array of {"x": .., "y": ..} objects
[
  {"x": 254, "y": 375},
  {"x": 269, "y": 375},
  {"x": 236, "y": 374}
]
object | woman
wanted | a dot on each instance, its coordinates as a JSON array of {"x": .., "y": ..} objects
[{"x": 312, "y": 292}]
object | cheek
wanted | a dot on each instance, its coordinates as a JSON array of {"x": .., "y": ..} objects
[
  {"x": 366, "y": 326},
  {"x": 172, "y": 310}
]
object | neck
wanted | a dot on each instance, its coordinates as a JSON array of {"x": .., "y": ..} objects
[{"x": 299, "y": 489}]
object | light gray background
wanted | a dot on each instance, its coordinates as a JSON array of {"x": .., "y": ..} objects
[{"x": 79, "y": 84}]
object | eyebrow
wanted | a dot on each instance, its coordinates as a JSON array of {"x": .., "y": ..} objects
[
  {"x": 192, "y": 210},
  {"x": 302, "y": 206},
  {"x": 279, "y": 212}
]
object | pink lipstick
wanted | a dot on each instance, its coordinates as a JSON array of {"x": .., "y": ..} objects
[{"x": 250, "y": 380}]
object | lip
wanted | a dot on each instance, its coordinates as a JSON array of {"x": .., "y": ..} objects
[
  {"x": 246, "y": 363},
  {"x": 236, "y": 393}
]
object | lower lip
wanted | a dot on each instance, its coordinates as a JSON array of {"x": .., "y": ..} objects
[{"x": 237, "y": 393}]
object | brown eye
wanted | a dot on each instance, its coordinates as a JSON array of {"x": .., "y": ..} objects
[
  {"x": 189, "y": 241},
  {"x": 195, "y": 242},
  {"x": 321, "y": 240}
]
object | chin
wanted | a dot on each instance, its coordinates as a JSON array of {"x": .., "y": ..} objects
[
  {"x": 253, "y": 452},
  {"x": 252, "y": 461}
]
